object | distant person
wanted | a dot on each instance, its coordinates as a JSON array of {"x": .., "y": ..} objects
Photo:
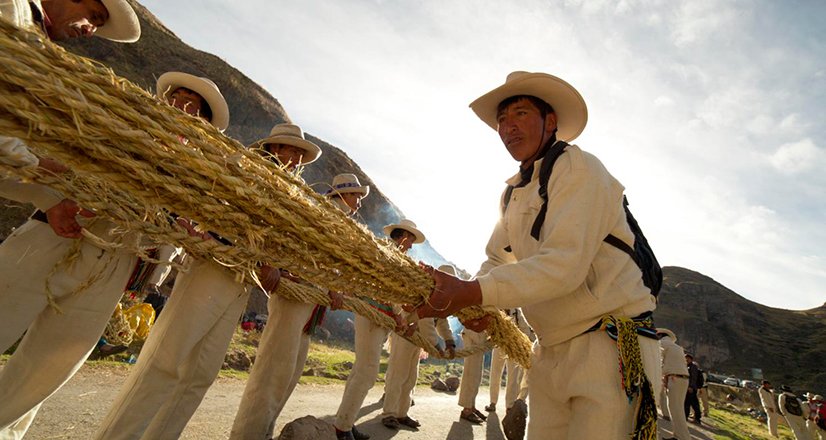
[
  {"x": 793, "y": 411},
  {"x": 472, "y": 377},
  {"x": 769, "y": 402},
  {"x": 812, "y": 406},
  {"x": 702, "y": 393},
  {"x": 499, "y": 364},
  {"x": 548, "y": 254},
  {"x": 695, "y": 382},
  {"x": 39, "y": 295},
  {"x": 820, "y": 417},
  {"x": 675, "y": 383},
  {"x": 403, "y": 364}
]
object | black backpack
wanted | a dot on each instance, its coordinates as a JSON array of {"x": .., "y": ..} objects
[
  {"x": 792, "y": 406},
  {"x": 641, "y": 253}
]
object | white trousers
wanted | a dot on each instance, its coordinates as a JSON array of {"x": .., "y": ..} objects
[
  {"x": 369, "y": 339},
  {"x": 771, "y": 422},
  {"x": 576, "y": 389},
  {"x": 675, "y": 402},
  {"x": 181, "y": 357},
  {"x": 401, "y": 376},
  {"x": 278, "y": 365},
  {"x": 55, "y": 344},
  {"x": 166, "y": 252},
  {"x": 798, "y": 426},
  {"x": 472, "y": 370},
  {"x": 498, "y": 364}
]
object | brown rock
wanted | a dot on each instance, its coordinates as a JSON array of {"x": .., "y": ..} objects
[{"x": 308, "y": 428}]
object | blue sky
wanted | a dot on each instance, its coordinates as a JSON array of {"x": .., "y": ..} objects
[{"x": 709, "y": 112}]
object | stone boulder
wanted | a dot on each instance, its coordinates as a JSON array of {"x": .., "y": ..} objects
[{"x": 308, "y": 428}]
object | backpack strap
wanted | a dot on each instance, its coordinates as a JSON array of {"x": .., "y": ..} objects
[
  {"x": 621, "y": 245},
  {"x": 507, "y": 199},
  {"x": 548, "y": 161}
]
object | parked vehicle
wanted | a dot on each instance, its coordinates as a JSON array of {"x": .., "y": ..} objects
[
  {"x": 750, "y": 384},
  {"x": 733, "y": 381},
  {"x": 715, "y": 378}
]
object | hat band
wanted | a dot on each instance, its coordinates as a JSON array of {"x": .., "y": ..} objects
[{"x": 344, "y": 185}]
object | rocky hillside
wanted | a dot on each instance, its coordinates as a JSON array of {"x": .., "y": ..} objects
[
  {"x": 253, "y": 111},
  {"x": 730, "y": 334}
]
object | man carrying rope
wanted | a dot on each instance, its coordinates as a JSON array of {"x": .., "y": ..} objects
[
  {"x": 403, "y": 364},
  {"x": 282, "y": 350},
  {"x": 547, "y": 254},
  {"x": 57, "y": 287},
  {"x": 186, "y": 347}
]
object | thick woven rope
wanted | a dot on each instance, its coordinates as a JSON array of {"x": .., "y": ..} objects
[{"x": 129, "y": 165}]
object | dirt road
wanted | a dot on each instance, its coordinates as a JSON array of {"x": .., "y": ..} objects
[{"x": 75, "y": 411}]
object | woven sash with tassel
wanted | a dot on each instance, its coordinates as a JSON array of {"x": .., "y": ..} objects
[{"x": 634, "y": 381}]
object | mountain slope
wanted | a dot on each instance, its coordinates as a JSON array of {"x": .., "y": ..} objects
[{"x": 731, "y": 334}]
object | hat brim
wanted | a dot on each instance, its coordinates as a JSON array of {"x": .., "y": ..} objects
[
  {"x": 363, "y": 190},
  {"x": 311, "y": 150},
  {"x": 570, "y": 108},
  {"x": 417, "y": 233},
  {"x": 170, "y": 81},
  {"x": 122, "y": 25},
  {"x": 667, "y": 332}
]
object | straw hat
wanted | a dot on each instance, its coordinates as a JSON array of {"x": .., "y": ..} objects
[
  {"x": 291, "y": 134},
  {"x": 348, "y": 183},
  {"x": 667, "y": 332},
  {"x": 122, "y": 25},
  {"x": 448, "y": 269},
  {"x": 570, "y": 108},
  {"x": 818, "y": 397},
  {"x": 169, "y": 81},
  {"x": 408, "y": 226}
]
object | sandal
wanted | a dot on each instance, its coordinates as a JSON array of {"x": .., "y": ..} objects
[
  {"x": 410, "y": 422},
  {"x": 480, "y": 414},
  {"x": 391, "y": 422},
  {"x": 470, "y": 416}
]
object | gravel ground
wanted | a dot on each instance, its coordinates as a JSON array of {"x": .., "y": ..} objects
[{"x": 75, "y": 411}]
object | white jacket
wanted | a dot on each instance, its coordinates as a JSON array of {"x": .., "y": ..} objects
[
  {"x": 767, "y": 399},
  {"x": 673, "y": 357},
  {"x": 434, "y": 328},
  {"x": 570, "y": 278}
]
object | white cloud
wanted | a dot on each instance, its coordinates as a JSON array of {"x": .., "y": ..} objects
[{"x": 798, "y": 157}]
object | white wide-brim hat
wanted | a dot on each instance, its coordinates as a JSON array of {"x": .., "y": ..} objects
[
  {"x": 809, "y": 395},
  {"x": 448, "y": 269},
  {"x": 818, "y": 397},
  {"x": 170, "y": 81},
  {"x": 668, "y": 332},
  {"x": 348, "y": 183},
  {"x": 291, "y": 134},
  {"x": 568, "y": 104},
  {"x": 408, "y": 226},
  {"x": 122, "y": 25}
]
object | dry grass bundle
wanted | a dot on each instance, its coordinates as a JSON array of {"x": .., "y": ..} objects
[{"x": 129, "y": 164}]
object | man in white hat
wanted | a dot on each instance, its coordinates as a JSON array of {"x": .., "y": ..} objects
[
  {"x": 500, "y": 363},
  {"x": 346, "y": 192},
  {"x": 769, "y": 402},
  {"x": 368, "y": 346},
  {"x": 812, "y": 405},
  {"x": 186, "y": 347},
  {"x": 37, "y": 297},
  {"x": 548, "y": 255},
  {"x": 282, "y": 351},
  {"x": 675, "y": 383},
  {"x": 403, "y": 364},
  {"x": 793, "y": 411}
]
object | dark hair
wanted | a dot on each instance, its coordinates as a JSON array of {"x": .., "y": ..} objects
[
  {"x": 544, "y": 107},
  {"x": 397, "y": 233}
]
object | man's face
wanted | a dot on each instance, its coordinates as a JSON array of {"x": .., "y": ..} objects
[
  {"x": 353, "y": 200},
  {"x": 405, "y": 240},
  {"x": 289, "y": 155},
  {"x": 522, "y": 129},
  {"x": 74, "y": 18},
  {"x": 688, "y": 360},
  {"x": 767, "y": 386},
  {"x": 186, "y": 100}
]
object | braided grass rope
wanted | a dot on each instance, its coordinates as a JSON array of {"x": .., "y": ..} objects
[
  {"x": 123, "y": 147},
  {"x": 308, "y": 294}
]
